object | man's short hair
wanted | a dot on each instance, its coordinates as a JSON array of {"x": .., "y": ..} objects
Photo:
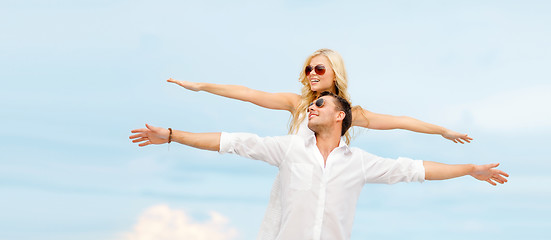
[{"x": 342, "y": 105}]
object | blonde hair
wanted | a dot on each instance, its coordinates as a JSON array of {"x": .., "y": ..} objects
[{"x": 308, "y": 96}]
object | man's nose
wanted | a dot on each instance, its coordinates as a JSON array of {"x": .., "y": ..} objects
[{"x": 311, "y": 107}]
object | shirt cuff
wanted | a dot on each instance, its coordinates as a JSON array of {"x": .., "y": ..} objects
[
  {"x": 420, "y": 168},
  {"x": 225, "y": 142}
]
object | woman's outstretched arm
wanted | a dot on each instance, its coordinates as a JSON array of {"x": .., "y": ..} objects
[
  {"x": 367, "y": 119},
  {"x": 276, "y": 101}
]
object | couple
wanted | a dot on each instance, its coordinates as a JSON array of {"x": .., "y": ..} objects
[
  {"x": 321, "y": 176},
  {"x": 324, "y": 70}
]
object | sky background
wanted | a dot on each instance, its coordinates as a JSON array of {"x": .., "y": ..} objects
[{"x": 77, "y": 76}]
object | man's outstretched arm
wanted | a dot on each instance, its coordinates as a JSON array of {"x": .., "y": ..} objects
[
  {"x": 158, "y": 135},
  {"x": 441, "y": 171}
]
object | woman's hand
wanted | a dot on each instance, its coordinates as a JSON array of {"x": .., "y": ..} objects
[
  {"x": 456, "y": 137},
  {"x": 187, "y": 85}
]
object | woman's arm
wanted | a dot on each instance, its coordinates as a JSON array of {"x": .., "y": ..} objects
[
  {"x": 367, "y": 119},
  {"x": 276, "y": 101}
]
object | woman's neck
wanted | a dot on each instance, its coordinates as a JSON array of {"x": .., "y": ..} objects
[{"x": 331, "y": 90}]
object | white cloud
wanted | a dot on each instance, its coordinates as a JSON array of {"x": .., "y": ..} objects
[
  {"x": 160, "y": 222},
  {"x": 519, "y": 110}
]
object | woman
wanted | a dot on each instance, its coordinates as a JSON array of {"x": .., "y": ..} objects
[{"x": 323, "y": 71}]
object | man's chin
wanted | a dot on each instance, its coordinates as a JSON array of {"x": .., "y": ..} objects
[{"x": 313, "y": 126}]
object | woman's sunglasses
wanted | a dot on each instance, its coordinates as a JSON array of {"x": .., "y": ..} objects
[
  {"x": 319, "y": 103},
  {"x": 320, "y": 69}
]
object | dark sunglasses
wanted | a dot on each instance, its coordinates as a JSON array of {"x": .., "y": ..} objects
[
  {"x": 320, "y": 69},
  {"x": 319, "y": 103}
]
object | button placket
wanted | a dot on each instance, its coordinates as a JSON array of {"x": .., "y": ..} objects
[{"x": 320, "y": 206}]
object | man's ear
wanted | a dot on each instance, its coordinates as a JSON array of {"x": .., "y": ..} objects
[{"x": 341, "y": 115}]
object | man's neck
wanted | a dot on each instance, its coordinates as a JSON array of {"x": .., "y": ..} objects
[{"x": 326, "y": 142}]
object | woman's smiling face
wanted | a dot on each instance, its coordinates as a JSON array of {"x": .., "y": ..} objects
[{"x": 324, "y": 82}]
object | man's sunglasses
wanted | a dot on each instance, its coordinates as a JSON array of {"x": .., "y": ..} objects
[
  {"x": 319, "y": 103},
  {"x": 320, "y": 69}
]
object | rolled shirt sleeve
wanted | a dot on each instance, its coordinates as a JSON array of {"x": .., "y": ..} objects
[
  {"x": 389, "y": 171},
  {"x": 268, "y": 149}
]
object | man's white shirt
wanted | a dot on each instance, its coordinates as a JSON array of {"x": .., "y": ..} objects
[{"x": 317, "y": 201}]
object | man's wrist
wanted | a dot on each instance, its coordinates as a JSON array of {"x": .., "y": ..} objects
[{"x": 472, "y": 169}]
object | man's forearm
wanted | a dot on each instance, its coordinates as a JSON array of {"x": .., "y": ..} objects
[
  {"x": 206, "y": 141},
  {"x": 441, "y": 171}
]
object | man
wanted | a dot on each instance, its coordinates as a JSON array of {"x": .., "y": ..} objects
[{"x": 321, "y": 177}]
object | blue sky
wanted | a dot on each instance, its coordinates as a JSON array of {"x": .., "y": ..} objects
[{"x": 77, "y": 76}]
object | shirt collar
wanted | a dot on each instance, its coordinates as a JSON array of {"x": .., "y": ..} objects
[{"x": 311, "y": 140}]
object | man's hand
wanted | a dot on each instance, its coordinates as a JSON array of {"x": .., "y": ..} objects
[
  {"x": 489, "y": 174},
  {"x": 150, "y": 135}
]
